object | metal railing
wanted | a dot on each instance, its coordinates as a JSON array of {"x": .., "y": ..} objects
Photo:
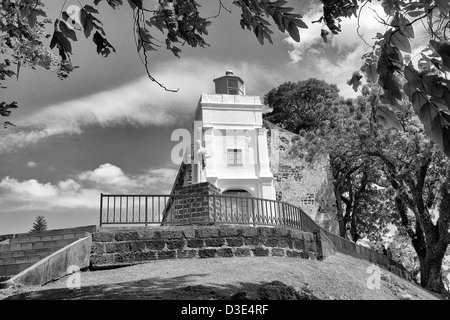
[{"x": 182, "y": 209}]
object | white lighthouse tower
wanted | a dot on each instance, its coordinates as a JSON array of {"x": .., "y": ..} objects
[{"x": 230, "y": 143}]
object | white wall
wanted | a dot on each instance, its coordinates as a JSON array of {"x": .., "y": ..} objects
[{"x": 235, "y": 122}]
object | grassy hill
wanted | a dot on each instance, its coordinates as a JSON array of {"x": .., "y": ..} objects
[{"x": 339, "y": 277}]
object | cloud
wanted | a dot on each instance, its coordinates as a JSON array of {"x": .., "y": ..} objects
[
  {"x": 31, "y": 164},
  {"x": 82, "y": 190},
  {"x": 138, "y": 103},
  {"x": 30, "y": 188},
  {"x": 311, "y": 43},
  {"x": 336, "y": 60},
  {"x": 106, "y": 174}
]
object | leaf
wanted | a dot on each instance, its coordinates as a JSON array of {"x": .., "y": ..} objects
[
  {"x": 278, "y": 18},
  {"x": 389, "y": 82},
  {"x": 445, "y": 117},
  {"x": 404, "y": 25},
  {"x": 409, "y": 90},
  {"x": 412, "y": 75},
  {"x": 388, "y": 98},
  {"x": 68, "y": 32},
  {"x": 437, "y": 132},
  {"x": 64, "y": 43},
  {"x": 401, "y": 42},
  {"x": 135, "y": 3},
  {"x": 258, "y": 32},
  {"x": 427, "y": 114},
  {"x": 32, "y": 19},
  {"x": 371, "y": 72},
  {"x": 443, "y": 49},
  {"x": 299, "y": 23},
  {"x": 103, "y": 46},
  {"x": 418, "y": 100},
  {"x": 434, "y": 45},
  {"x": 446, "y": 97},
  {"x": 389, "y": 118},
  {"x": 54, "y": 40},
  {"x": 432, "y": 86},
  {"x": 90, "y": 9},
  {"x": 416, "y": 13},
  {"x": 65, "y": 15},
  {"x": 293, "y": 32},
  {"x": 86, "y": 22},
  {"x": 446, "y": 140},
  {"x": 355, "y": 81}
]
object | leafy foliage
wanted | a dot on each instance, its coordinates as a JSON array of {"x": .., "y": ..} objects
[
  {"x": 181, "y": 22},
  {"x": 301, "y": 106},
  {"x": 22, "y": 37},
  {"x": 425, "y": 86},
  {"x": 382, "y": 176}
]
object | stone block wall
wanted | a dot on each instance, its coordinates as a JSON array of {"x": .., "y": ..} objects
[
  {"x": 125, "y": 247},
  {"x": 308, "y": 186},
  {"x": 196, "y": 207}
]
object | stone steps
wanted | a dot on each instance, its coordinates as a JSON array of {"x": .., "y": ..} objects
[
  {"x": 20, "y": 251},
  {"x": 19, "y": 260},
  {"x": 55, "y": 237},
  {"x": 27, "y": 253},
  {"x": 13, "y": 269},
  {"x": 36, "y": 245}
]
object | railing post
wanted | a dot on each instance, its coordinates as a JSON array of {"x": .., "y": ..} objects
[
  {"x": 253, "y": 212},
  {"x": 101, "y": 208},
  {"x": 214, "y": 204},
  {"x": 146, "y": 211}
]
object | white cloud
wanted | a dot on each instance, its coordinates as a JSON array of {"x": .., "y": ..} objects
[
  {"x": 106, "y": 174},
  {"x": 311, "y": 40},
  {"x": 31, "y": 164},
  {"x": 83, "y": 190},
  {"x": 30, "y": 188},
  {"x": 139, "y": 103},
  {"x": 336, "y": 60}
]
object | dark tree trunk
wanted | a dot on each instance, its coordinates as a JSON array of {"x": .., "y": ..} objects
[
  {"x": 340, "y": 213},
  {"x": 431, "y": 271},
  {"x": 430, "y": 257}
]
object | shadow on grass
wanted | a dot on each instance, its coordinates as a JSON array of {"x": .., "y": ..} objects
[{"x": 176, "y": 288}]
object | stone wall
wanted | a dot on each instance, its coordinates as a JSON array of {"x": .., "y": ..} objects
[
  {"x": 125, "y": 247},
  {"x": 196, "y": 207},
  {"x": 6, "y": 237},
  {"x": 300, "y": 183}
]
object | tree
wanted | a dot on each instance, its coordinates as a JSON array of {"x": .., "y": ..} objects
[
  {"x": 22, "y": 44},
  {"x": 386, "y": 176},
  {"x": 181, "y": 22},
  {"x": 39, "y": 225},
  {"x": 419, "y": 175},
  {"x": 328, "y": 124},
  {"x": 295, "y": 105}
]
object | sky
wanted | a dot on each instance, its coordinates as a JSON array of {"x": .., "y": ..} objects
[{"x": 107, "y": 128}]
